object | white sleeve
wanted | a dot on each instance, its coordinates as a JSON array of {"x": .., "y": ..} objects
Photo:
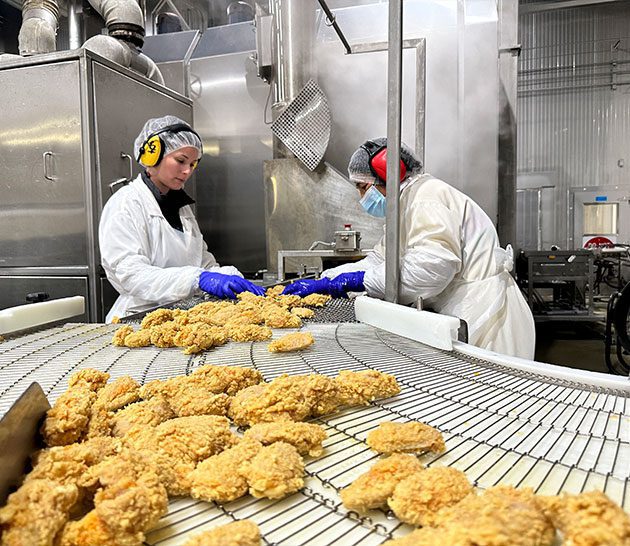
[
  {"x": 210, "y": 264},
  {"x": 370, "y": 261},
  {"x": 123, "y": 243},
  {"x": 432, "y": 256}
]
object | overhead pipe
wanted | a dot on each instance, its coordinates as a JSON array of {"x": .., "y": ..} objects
[{"x": 38, "y": 33}]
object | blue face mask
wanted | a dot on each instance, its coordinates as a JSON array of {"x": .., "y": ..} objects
[{"x": 374, "y": 202}]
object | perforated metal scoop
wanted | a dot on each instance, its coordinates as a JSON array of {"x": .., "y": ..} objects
[{"x": 304, "y": 126}]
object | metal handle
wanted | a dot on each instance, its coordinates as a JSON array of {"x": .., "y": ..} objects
[
  {"x": 127, "y": 156},
  {"x": 45, "y": 156},
  {"x": 119, "y": 182}
]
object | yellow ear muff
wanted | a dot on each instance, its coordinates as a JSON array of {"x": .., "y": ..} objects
[{"x": 151, "y": 152}]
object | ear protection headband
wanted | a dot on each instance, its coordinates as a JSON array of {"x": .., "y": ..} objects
[
  {"x": 152, "y": 150},
  {"x": 378, "y": 161}
]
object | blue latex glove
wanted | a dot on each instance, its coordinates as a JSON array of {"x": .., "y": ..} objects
[
  {"x": 226, "y": 286},
  {"x": 337, "y": 287}
]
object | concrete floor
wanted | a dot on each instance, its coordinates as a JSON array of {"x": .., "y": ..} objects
[{"x": 572, "y": 344}]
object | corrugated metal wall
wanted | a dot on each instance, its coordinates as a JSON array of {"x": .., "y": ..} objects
[{"x": 574, "y": 99}]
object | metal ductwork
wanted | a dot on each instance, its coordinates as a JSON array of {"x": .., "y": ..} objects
[
  {"x": 124, "y": 19},
  {"x": 38, "y": 33}
]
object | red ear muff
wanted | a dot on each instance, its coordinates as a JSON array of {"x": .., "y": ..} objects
[
  {"x": 378, "y": 161},
  {"x": 378, "y": 164}
]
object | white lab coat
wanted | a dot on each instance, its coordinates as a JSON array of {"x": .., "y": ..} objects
[
  {"x": 450, "y": 256},
  {"x": 147, "y": 261}
]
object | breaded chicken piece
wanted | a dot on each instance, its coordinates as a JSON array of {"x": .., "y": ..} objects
[
  {"x": 418, "y": 498},
  {"x": 226, "y": 379},
  {"x": 67, "y": 421},
  {"x": 274, "y": 290},
  {"x": 129, "y": 500},
  {"x": 307, "y": 438},
  {"x": 274, "y": 472},
  {"x": 411, "y": 437},
  {"x": 36, "y": 512},
  {"x": 291, "y": 342},
  {"x": 249, "y": 332},
  {"x": 67, "y": 464},
  {"x": 249, "y": 297},
  {"x": 360, "y": 388},
  {"x": 239, "y": 533},
  {"x": 303, "y": 312},
  {"x": 286, "y": 301},
  {"x": 195, "y": 400},
  {"x": 198, "y": 337},
  {"x": 177, "y": 445},
  {"x": 588, "y": 519},
  {"x": 373, "y": 488},
  {"x": 121, "y": 334},
  {"x": 140, "y": 338},
  {"x": 316, "y": 300},
  {"x": 218, "y": 478},
  {"x": 89, "y": 378},
  {"x": 111, "y": 397},
  {"x": 163, "y": 335},
  {"x": 159, "y": 316},
  {"x": 501, "y": 516},
  {"x": 149, "y": 413},
  {"x": 277, "y": 317},
  {"x": 292, "y": 398}
]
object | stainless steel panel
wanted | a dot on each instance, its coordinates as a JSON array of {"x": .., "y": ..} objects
[
  {"x": 117, "y": 128},
  {"x": 302, "y": 207},
  {"x": 229, "y": 101},
  {"x": 14, "y": 289},
  {"x": 42, "y": 212}
]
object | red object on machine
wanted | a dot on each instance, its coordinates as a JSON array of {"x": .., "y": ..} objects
[{"x": 599, "y": 242}]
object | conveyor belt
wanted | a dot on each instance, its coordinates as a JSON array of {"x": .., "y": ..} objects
[{"x": 500, "y": 425}]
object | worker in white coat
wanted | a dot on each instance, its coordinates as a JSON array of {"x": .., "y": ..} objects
[
  {"x": 449, "y": 255},
  {"x": 151, "y": 247}
]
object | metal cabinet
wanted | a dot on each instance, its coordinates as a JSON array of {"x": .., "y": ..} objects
[{"x": 69, "y": 120}]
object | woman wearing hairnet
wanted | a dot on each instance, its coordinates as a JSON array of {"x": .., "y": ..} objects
[
  {"x": 449, "y": 255},
  {"x": 151, "y": 247}
]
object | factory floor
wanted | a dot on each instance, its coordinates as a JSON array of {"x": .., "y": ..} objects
[{"x": 572, "y": 344}]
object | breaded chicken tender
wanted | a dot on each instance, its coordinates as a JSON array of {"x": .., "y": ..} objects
[
  {"x": 360, "y": 388},
  {"x": 411, "y": 437},
  {"x": 111, "y": 397},
  {"x": 239, "y": 533},
  {"x": 140, "y": 338},
  {"x": 291, "y": 342},
  {"x": 274, "y": 290},
  {"x": 274, "y": 472},
  {"x": 157, "y": 317},
  {"x": 226, "y": 379},
  {"x": 249, "y": 332},
  {"x": 372, "y": 489},
  {"x": 150, "y": 413},
  {"x": 198, "y": 337},
  {"x": 588, "y": 519},
  {"x": 67, "y": 464},
  {"x": 292, "y": 398},
  {"x": 316, "y": 300},
  {"x": 277, "y": 317},
  {"x": 129, "y": 500},
  {"x": 163, "y": 335},
  {"x": 419, "y": 497},
  {"x": 89, "y": 378},
  {"x": 67, "y": 421},
  {"x": 195, "y": 400},
  {"x": 36, "y": 512},
  {"x": 303, "y": 312},
  {"x": 307, "y": 438},
  {"x": 501, "y": 516},
  {"x": 121, "y": 334},
  {"x": 219, "y": 478}
]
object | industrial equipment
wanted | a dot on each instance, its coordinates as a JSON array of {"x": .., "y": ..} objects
[
  {"x": 558, "y": 284},
  {"x": 504, "y": 420},
  {"x": 65, "y": 146}
]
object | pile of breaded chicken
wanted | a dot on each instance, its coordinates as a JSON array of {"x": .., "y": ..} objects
[{"x": 211, "y": 323}]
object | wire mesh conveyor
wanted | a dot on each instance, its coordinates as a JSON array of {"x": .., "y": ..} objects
[{"x": 500, "y": 425}]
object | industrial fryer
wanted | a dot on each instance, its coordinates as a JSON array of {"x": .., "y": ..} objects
[{"x": 505, "y": 421}]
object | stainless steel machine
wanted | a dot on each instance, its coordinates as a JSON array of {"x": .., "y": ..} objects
[{"x": 69, "y": 120}]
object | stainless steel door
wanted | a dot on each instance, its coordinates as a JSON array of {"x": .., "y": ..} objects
[
  {"x": 122, "y": 105},
  {"x": 42, "y": 210}
]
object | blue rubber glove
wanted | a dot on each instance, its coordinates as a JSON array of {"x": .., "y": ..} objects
[
  {"x": 226, "y": 286},
  {"x": 337, "y": 287}
]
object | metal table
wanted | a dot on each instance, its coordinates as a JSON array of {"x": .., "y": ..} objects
[{"x": 501, "y": 425}]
